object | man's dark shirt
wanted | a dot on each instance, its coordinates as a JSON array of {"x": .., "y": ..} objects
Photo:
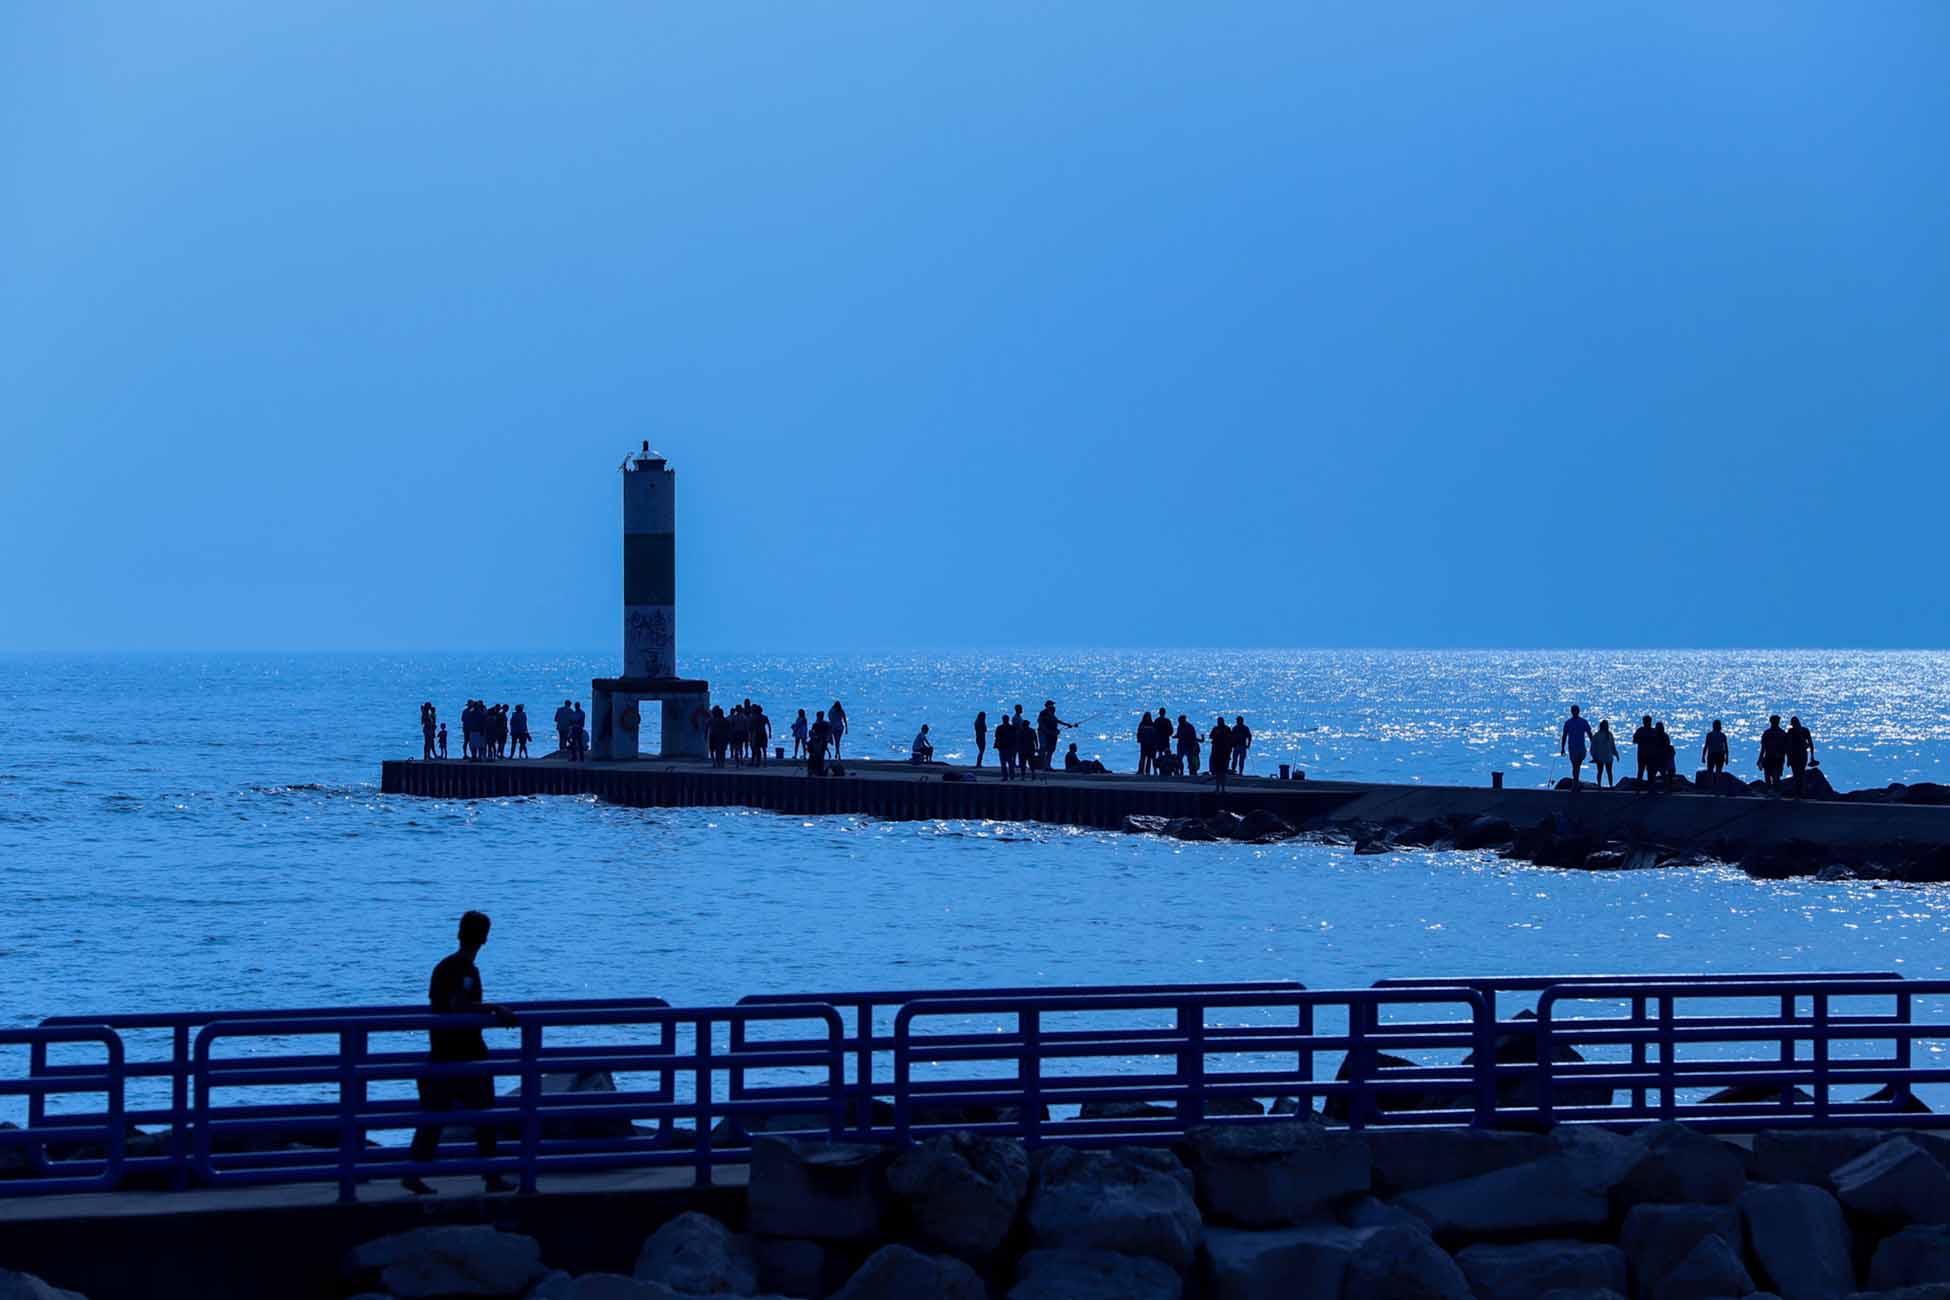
[
  {"x": 1644, "y": 736},
  {"x": 1773, "y": 744},
  {"x": 1799, "y": 739},
  {"x": 455, "y": 987}
]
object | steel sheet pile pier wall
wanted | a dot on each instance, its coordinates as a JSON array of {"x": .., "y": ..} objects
[{"x": 788, "y": 790}]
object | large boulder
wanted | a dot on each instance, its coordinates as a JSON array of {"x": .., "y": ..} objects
[
  {"x": 1657, "y": 1238},
  {"x": 1261, "y": 825},
  {"x": 1395, "y": 1263},
  {"x": 25, "y": 1286},
  {"x": 825, "y": 1191},
  {"x": 454, "y": 1260},
  {"x": 1134, "y": 1200},
  {"x": 1093, "y": 1275},
  {"x": 1277, "y": 1264},
  {"x": 1384, "y": 1066},
  {"x": 1267, "y": 1175},
  {"x": 900, "y": 1273},
  {"x": 1896, "y": 1180},
  {"x": 1798, "y": 1239},
  {"x": 1143, "y": 824},
  {"x": 1808, "y": 1155},
  {"x": 796, "y": 1267},
  {"x": 1710, "y": 1271},
  {"x": 1408, "y": 1158},
  {"x": 694, "y": 1254},
  {"x": 1485, "y": 832},
  {"x": 1529, "y": 1269},
  {"x": 1567, "y": 1191},
  {"x": 962, "y": 1190},
  {"x": 1680, "y": 1166},
  {"x": 1910, "y": 1258},
  {"x": 563, "y": 1085},
  {"x": 1189, "y": 828}
]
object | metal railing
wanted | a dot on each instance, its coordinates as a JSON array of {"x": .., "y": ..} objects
[
  {"x": 104, "y": 1131},
  {"x": 1191, "y": 1041},
  {"x": 871, "y": 1038},
  {"x": 175, "y": 1067},
  {"x": 552, "y": 1131},
  {"x": 1699, "y": 1068},
  {"x": 301, "y": 1096}
]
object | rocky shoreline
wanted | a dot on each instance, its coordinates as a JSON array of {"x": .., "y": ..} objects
[
  {"x": 1288, "y": 1209},
  {"x": 1571, "y": 841}
]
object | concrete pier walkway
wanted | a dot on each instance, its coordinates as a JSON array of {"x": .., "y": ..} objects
[{"x": 902, "y": 791}]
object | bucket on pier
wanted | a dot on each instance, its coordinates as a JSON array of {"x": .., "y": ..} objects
[
  {"x": 778, "y": 752},
  {"x": 1286, "y": 771},
  {"x": 1496, "y": 780}
]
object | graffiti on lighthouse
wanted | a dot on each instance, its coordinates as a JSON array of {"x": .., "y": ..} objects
[{"x": 653, "y": 651}]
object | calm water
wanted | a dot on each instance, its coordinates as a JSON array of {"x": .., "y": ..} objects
[{"x": 206, "y": 830}]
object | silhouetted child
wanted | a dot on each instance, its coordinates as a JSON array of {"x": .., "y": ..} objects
[{"x": 443, "y": 740}]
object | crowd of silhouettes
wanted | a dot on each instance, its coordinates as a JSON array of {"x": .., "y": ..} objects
[
  {"x": 1790, "y": 748},
  {"x": 743, "y": 734},
  {"x": 1165, "y": 749}
]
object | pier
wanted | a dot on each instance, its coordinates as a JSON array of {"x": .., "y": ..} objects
[{"x": 905, "y": 792}]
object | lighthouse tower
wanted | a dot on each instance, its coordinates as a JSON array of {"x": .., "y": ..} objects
[
  {"x": 649, "y": 566},
  {"x": 649, "y": 628}
]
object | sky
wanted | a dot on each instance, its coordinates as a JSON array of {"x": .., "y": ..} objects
[{"x": 327, "y": 326}]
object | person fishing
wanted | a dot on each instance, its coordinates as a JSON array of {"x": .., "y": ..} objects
[{"x": 1047, "y": 724}]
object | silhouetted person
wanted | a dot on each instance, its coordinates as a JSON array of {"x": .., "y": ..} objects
[
  {"x": 497, "y": 731},
  {"x": 761, "y": 734},
  {"x": 923, "y": 748},
  {"x": 717, "y": 735},
  {"x": 1645, "y": 744},
  {"x": 836, "y": 719},
  {"x": 981, "y": 735},
  {"x": 1147, "y": 750},
  {"x": 800, "y": 730},
  {"x": 1773, "y": 753},
  {"x": 428, "y": 720},
  {"x": 471, "y": 733},
  {"x": 1025, "y": 733},
  {"x": 1221, "y": 765},
  {"x": 1604, "y": 752},
  {"x": 518, "y": 730},
  {"x": 1073, "y": 762},
  {"x": 565, "y": 718},
  {"x": 580, "y": 732},
  {"x": 1571, "y": 741},
  {"x": 1005, "y": 747},
  {"x": 817, "y": 740},
  {"x": 1668, "y": 756},
  {"x": 443, "y": 740},
  {"x": 1242, "y": 740},
  {"x": 1713, "y": 753},
  {"x": 1188, "y": 742},
  {"x": 1046, "y": 724},
  {"x": 455, "y": 989},
  {"x": 1800, "y": 749}
]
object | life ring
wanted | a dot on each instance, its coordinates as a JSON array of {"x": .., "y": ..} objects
[{"x": 629, "y": 719}]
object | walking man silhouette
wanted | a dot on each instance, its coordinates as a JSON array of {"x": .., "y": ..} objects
[{"x": 455, "y": 989}]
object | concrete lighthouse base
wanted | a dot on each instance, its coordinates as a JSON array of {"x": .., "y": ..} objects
[{"x": 616, "y": 705}]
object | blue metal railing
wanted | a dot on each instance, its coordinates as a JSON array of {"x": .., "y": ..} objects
[
  {"x": 872, "y": 1038},
  {"x": 181, "y": 1027},
  {"x": 1743, "y": 1091},
  {"x": 547, "y": 1125},
  {"x": 1046, "y": 1064},
  {"x": 1191, "y": 1041},
  {"x": 105, "y": 1130}
]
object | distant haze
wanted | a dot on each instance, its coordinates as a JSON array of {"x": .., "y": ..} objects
[{"x": 327, "y": 326}]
